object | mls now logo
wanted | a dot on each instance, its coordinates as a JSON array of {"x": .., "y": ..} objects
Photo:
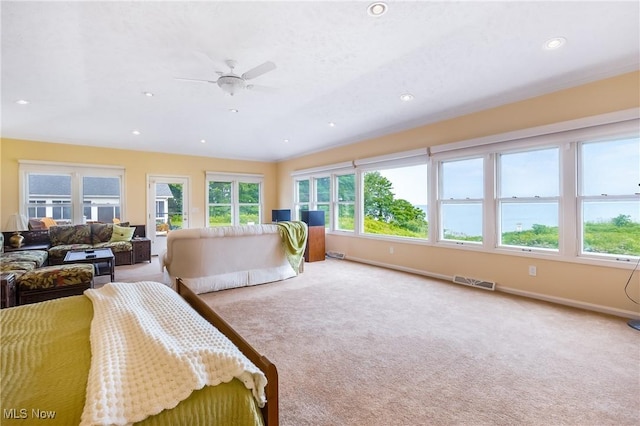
[{"x": 23, "y": 413}]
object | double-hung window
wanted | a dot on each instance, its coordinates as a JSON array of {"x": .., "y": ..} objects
[
  {"x": 71, "y": 194},
  {"x": 460, "y": 200},
  {"x": 234, "y": 199},
  {"x": 528, "y": 198},
  {"x": 609, "y": 197},
  {"x": 345, "y": 202},
  {"x": 302, "y": 197},
  {"x": 313, "y": 193}
]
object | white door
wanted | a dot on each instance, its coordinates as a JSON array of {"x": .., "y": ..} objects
[{"x": 167, "y": 208}]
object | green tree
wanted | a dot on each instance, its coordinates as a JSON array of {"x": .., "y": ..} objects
[
  {"x": 249, "y": 193},
  {"x": 220, "y": 192},
  {"x": 407, "y": 216},
  {"x": 622, "y": 220},
  {"x": 378, "y": 197}
]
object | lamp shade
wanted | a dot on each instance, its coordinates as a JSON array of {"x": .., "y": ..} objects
[{"x": 17, "y": 222}]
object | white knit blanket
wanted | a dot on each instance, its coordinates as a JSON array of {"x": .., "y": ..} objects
[{"x": 150, "y": 350}]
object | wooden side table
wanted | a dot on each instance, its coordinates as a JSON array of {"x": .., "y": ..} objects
[
  {"x": 141, "y": 249},
  {"x": 9, "y": 293}
]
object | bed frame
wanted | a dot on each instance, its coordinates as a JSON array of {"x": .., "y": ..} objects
[{"x": 270, "y": 410}]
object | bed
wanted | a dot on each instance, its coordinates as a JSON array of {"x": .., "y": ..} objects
[{"x": 55, "y": 365}]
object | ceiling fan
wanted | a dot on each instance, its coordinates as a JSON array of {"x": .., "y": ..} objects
[{"x": 232, "y": 83}]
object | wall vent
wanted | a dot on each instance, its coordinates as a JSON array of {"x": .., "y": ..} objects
[
  {"x": 335, "y": 254},
  {"x": 472, "y": 282}
]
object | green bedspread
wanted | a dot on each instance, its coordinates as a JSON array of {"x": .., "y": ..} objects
[{"x": 46, "y": 354}]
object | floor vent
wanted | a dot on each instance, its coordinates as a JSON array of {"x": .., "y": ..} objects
[
  {"x": 335, "y": 254},
  {"x": 472, "y": 282}
]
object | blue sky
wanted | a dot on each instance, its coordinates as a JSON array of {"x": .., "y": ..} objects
[{"x": 614, "y": 169}]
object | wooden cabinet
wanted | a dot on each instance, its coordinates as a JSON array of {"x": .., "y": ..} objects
[
  {"x": 315, "y": 249},
  {"x": 141, "y": 250},
  {"x": 8, "y": 283}
]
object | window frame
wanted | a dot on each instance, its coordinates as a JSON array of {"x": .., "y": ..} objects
[
  {"x": 501, "y": 199},
  {"x": 581, "y": 198},
  {"x": 563, "y": 135},
  {"x": 76, "y": 172},
  {"x": 235, "y": 179},
  {"x": 441, "y": 201}
]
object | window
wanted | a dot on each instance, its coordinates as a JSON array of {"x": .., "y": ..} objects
[
  {"x": 609, "y": 179},
  {"x": 395, "y": 201},
  {"x": 234, "y": 199},
  {"x": 101, "y": 198},
  {"x": 461, "y": 200},
  {"x": 71, "y": 194},
  {"x": 302, "y": 199},
  {"x": 313, "y": 193},
  {"x": 528, "y": 198},
  {"x": 323, "y": 197},
  {"x": 345, "y": 201}
]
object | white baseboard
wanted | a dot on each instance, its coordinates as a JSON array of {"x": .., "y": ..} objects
[{"x": 553, "y": 299}]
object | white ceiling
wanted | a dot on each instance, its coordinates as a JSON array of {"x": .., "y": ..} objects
[{"x": 85, "y": 65}]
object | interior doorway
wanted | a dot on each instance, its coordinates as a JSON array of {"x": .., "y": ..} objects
[{"x": 167, "y": 208}]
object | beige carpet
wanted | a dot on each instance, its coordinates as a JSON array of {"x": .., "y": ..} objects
[{"x": 360, "y": 345}]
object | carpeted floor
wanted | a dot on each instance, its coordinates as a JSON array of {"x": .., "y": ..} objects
[{"x": 361, "y": 345}]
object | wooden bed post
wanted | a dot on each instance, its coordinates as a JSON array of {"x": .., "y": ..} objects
[{"x": 270, "y": 411}]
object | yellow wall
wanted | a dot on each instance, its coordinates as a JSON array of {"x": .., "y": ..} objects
[
  {"x": 601, "y": 288},
  {"x": 137, "y": 166}
]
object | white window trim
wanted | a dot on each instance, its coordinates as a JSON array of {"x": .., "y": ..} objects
[
  {"x": 75, "y": 170},
  {"x": 235, "y": 179}
]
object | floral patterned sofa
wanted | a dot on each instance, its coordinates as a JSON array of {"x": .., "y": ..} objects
[
  {"x": 65, "y": 238},
  {"x": 37, "y": 282}
]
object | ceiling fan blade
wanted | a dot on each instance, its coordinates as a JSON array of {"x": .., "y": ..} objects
[
  {"x": 259, "y": 70},
  {"x": 258, "y": 88},
  {"x": 194, "y": 79}
]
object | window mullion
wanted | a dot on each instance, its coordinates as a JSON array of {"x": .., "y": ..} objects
[{"x": 569, "y": 232}]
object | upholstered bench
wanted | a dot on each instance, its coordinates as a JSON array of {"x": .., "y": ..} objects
[{"x": 52, "y": 282}]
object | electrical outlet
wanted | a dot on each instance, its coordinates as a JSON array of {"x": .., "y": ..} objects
[
  {"x": 533, "y": 271},
  {"x": 390, "y": 249}
]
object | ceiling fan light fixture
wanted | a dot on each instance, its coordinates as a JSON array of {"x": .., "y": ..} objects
[
  {"x": 377, "y": 9},
  {"x": 231, "y": 84}
]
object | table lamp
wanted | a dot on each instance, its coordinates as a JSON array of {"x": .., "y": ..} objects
[{"x": 16, "y": 224}]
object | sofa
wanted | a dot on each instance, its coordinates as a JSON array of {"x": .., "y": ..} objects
[
  {"x": 36, "y": 282},
  {"x": 212, "y": 259},
  {"x": 65, "y": 238}
]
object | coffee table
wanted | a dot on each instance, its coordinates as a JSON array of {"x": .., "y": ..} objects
[{"x": 103, "y": 260}]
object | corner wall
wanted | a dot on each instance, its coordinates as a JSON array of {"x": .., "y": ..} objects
[{"x": 599, "y": 288}]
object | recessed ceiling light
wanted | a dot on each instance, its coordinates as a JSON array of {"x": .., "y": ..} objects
[
  {"x": 136, "y": 132},
  {"x": 555, "y": 43},
  {"x": 147, "y": 94},
  {"x": 377, "y": 9},
  {"x": 331, "y": 124},
  {"x": 286, "y": 141},
  {"x": 203, "y": 141},
  {"x": 22, "y": 102},
  {"x": 406, "y": 97},
  {"x": 233, "y": 110}
]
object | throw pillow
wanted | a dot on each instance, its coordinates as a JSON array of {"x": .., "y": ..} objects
[{"x": 122, "y": 233}]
